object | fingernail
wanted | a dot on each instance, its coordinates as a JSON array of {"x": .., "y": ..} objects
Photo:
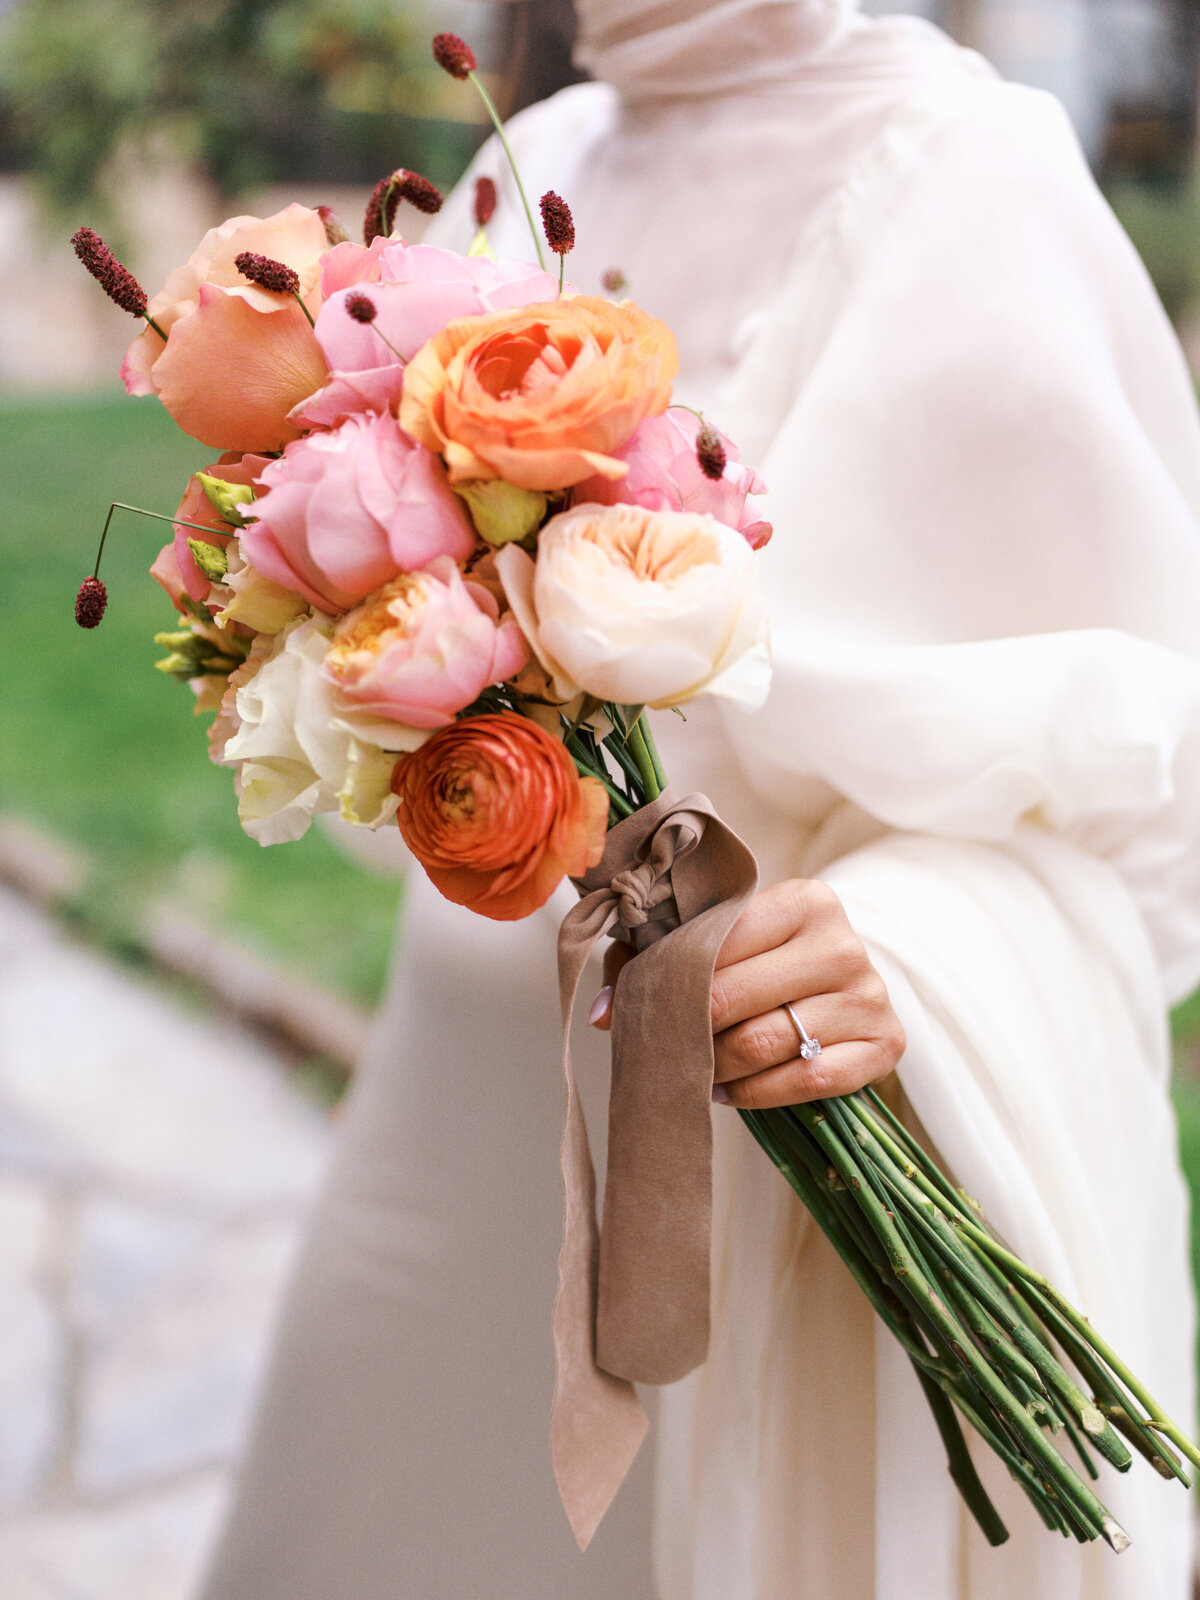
[
  {"x": 601, "y": 1006},
  {"x": 720, "y": 1094}
]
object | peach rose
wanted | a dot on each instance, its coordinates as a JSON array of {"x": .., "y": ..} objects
[
  {"x": 493, "y": 809},
  {"x": 541, "y": 396},
  {"x": 237, "y": 358}
]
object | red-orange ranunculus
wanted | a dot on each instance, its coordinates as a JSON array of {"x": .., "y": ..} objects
[
  {"x": 493, "y": 809},
  {"x": 540, "y": 396}
]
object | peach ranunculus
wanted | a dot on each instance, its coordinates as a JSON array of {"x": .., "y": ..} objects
[
  {"x": 237, "y": 358},
  {"x": 493, "y": 809},
  {"x": 641, "y": 607},
  {"x": 541, "y": 396},
  {"x": 424, "y": 647}
]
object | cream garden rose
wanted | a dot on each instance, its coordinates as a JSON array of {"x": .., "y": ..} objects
[
  {"x": 303, "y": 749},
  {"x": 641, "y": 607}
]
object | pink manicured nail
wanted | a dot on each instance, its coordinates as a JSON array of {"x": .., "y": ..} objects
[
  {"x": 601, "y": 1006},
  {"x": 720, "y": 1094}
]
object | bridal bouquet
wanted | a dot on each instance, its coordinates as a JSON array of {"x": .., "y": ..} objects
[{"x": 455, "y": 540}]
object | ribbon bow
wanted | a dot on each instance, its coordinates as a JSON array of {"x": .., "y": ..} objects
[{"x": 633, "y": 1301}]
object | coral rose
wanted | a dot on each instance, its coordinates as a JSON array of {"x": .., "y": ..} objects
[
  {"x": 665, "y": 475},
  {"x": 641, "y": 607},
  {"x": 424, "y": 647},
  {"x": 493, "y": 809},
  {"x": 344, "y": 512},
  {"x": 237, "y": 358},
  {"x": 197, "y": 507},
  {"x": 542, "y": 396}
]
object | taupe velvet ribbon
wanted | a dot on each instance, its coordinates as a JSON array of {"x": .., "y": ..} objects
[{"x": 633, "y": 1300}]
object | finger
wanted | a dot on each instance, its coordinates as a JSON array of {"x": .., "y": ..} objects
[
  {"x": 809, "y": 964},
  {"x": 616, "y": 958},
  {"x": 771, "y": 1039},
  {"x": 776, "y": 915},
  {"x": 839, "y": 1069}
]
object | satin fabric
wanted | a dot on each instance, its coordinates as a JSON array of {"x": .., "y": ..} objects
[{"x": 894, "y": 283}]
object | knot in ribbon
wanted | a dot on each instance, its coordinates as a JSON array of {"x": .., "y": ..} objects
[
  {"x": 639, "y": 892},
  {"x": 633, "y": 1302}
]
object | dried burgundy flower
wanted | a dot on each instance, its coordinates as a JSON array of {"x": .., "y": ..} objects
[
  {"x": 710, "y": 452},
  {"x": 361, "y": 307},
  {"x": 266, "y": 273},
  {"x": 485, "y": 201},
  {"x": 453, "y": 55},
  {"x": 387, "y": 194},
  {"x": 614, "y": 281},
  {"x": 118, "y": 283},
  {"x": 557, "y": 223},
  {"x": 335, "y": 228},
  {"x": 90, "y": 603}
]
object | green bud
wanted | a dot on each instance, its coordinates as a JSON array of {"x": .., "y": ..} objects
[
  {"x": 185, "y": 639},
  {"x": 502, "y": 513},
  {"x": 225, "y": 498},
  {"x": 210, "y": 558},
  {"x": 176, "y": 666}
]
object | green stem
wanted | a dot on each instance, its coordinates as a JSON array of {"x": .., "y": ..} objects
[
  {"x": 1082, "y": 1503},
  {"x": 587, "y": 768},
  {"x": 155, "y": 326},
  {"x": 500, "y": 134},
  {"x": 635, "y": 743},
  {"x": 303, "y": 307},
  {"x": 962, "y": 1468},
  {"x": 652, "y": 750}
]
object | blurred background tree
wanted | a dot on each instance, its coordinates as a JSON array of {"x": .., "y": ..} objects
[{"x": 247, "y": 93}]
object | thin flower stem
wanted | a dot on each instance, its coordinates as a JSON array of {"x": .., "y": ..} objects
[
  {"x": 119, "y": 505},
  {"x": 303, "y": 307},
  {"x": 507, "y": 148},
  {"x": 155, "y": 326}
]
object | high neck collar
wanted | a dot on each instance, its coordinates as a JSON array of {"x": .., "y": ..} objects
[{"x": 680, "y": 49}]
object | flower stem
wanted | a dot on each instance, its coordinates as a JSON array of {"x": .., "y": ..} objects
[
  {"x": 636, "y": 744},
  {"x": 507, "y": 148},
  {"x": 303, "y": 307},
  {"x": 155, "y": 326}
]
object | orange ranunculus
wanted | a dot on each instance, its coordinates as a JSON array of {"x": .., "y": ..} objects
[
  {"x": 493, "y": 809},
  {"x": 540, "y": 396}
]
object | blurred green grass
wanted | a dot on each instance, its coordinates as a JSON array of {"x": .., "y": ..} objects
[{"x": 98, "y": 747}]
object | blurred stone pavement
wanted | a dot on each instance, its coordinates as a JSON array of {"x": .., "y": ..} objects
[{"x": 155, "y": 1167}]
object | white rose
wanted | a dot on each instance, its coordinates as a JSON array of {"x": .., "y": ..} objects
[
  {"x": 641, "y": 607},
  {"x": 302, "y": 747}
]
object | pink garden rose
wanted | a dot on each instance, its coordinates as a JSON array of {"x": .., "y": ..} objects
[
  {"x": 345, "y": 512},
  {"x": 237, "y": 358},
  {"x": 424, "y": 647},
  {"x": 664, "y": 475},
  {"x": 415, "y": 291}
]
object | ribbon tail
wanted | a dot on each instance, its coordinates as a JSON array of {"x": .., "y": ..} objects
[{"x": 597, "y": 1423}]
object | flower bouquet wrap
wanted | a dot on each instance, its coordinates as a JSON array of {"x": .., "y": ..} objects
[{"x": 453, "y": 542}]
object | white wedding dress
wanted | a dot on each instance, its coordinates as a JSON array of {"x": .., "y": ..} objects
[{"x": 896, "y": 287}]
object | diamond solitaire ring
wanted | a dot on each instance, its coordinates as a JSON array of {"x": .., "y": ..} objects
[{"x": 810, "y": 1047}]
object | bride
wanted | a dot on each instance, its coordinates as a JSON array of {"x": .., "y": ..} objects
[{"x": 895, "y": 285}]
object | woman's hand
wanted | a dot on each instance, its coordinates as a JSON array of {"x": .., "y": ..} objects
[{"x": 792, "y": 943}]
